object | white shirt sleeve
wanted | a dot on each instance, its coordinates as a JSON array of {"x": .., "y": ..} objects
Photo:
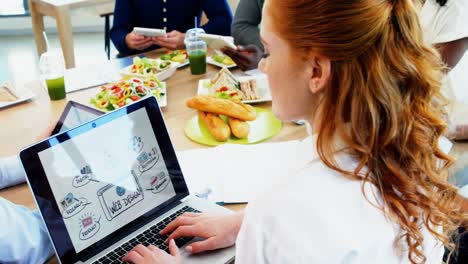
[
  {"x": 250, "y": 244},
  {"x": 442, "y": 24},
  {"x": 11, "y": 172},
  {"x": 23, "y": 236}
]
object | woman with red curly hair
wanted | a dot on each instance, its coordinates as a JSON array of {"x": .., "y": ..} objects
[{"x": 375, "y": 187}]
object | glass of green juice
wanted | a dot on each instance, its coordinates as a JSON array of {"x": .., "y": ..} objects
[
  {"x": 196, "y": 49},
  {"x": 51, "y": 67},
  {"x": 56, "y": 88},
  {"x": 197, "y": 61}
]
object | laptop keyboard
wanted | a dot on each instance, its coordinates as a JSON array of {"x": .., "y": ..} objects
[{"x": 150, "y": 236}]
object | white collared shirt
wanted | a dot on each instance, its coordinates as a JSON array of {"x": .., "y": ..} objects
[
  {"x": 318, "y": 216},
  {"x": 442, "y": 24}
]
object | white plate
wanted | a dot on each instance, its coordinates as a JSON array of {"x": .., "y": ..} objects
[
  {"x": 211, "y": 61},
  {"x": 262, "y": 88},
  {"x": 23, "y": 96},
  {"x": 164, "y": 75},
  {"x": 183, "y": 64}
]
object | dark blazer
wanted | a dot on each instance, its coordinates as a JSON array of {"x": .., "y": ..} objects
[{"x": 167, "y": 14}]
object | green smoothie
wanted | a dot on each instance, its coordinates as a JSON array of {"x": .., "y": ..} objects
[
  {"x": 56, "y": 88},
  {"x": 197, "y": 62}
]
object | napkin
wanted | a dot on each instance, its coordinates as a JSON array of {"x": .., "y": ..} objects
[
  {"x": 233, "y": 173},
  {"x": 7, "y": 93}
]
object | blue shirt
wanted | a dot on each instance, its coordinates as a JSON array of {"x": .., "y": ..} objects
[
  {"x": 167, "y": 14},
  {"x": 23, "y": 236}
]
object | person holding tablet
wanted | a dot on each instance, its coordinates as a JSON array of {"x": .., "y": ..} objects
[
  {"x": 375, "y": 188},
  {"x": 173, "y": 16},
  {"x": 245, "y": 31}
]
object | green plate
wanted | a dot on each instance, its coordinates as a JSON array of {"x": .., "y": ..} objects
[{"x": 265, "y": 126}]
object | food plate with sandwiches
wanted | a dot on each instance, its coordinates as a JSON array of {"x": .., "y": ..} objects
[
  {"x": 248, "y": 89},
  {"x": 144, "y": 67},
  {"x": 9, "y": 96},
  {"x": 220, "y": 121}
]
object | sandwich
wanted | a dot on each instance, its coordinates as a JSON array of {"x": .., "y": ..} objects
[{"x": 225, "y": 85}]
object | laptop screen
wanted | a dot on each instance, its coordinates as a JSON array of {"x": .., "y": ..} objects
[{"x": 107, "y": 177}]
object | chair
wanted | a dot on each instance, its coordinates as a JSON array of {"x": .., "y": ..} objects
[{"x": 107, "y": 32}]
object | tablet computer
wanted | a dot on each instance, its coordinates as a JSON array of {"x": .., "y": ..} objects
[
  {"x": 150, "y": 32},
  {"x": 217, "y": 42},
  {"x": 74, "y": 115}
]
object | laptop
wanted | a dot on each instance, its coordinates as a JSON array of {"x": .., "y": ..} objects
[
  {"x": 113, "y": 183},
  {"x": 74, "y": 115}
]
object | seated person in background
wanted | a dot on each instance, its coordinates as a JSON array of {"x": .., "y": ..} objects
[
  {"x": 175, "y": 16},
  {"x": 245, "y": 30},
  {"x": 375, "y": 187},
  {"x": 444, "y": 24}
]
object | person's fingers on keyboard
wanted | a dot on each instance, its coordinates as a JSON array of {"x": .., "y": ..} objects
[
  {"x": 153, "y": 248},
  {"x": 142, "y": 250},
  {"x": 185, "y": 231},
  {"x": 133, "y": 257},
  {"x": 179, "y": 221},
  {"x": 173, "y": 249},
  {"x": 201, "y": 246},
  {"x": 159, "y": 253},
  {"x": 189, "y": 214}
]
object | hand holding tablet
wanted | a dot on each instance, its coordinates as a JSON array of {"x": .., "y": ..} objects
[{"x": 217, "y": 42}]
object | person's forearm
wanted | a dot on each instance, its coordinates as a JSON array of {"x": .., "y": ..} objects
[
  {"x": 246, "y": 34},
  {"x": 118, "y": 38},
  {"x": 122, "y": 25},
  {"x": 11, "y": 172},
  {"x": 452, "y": 52},
  {"x": 23, "y": 236}
]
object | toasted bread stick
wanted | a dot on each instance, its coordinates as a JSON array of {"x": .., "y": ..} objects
[
  {"x": 239, "y": 128},
  {"x": 218, "y": 129},
  {"x": 220, "y": 106}
]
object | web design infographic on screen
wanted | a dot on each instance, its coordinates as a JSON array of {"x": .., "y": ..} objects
[{"x": 107, "y": 177}]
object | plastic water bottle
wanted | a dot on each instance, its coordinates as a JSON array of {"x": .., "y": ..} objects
[{"x": 52, "y": 69}]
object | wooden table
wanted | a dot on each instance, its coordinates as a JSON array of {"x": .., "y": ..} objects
[
  {"x": 60, "y": 10},
  {"x": 23, "y": 123}
]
